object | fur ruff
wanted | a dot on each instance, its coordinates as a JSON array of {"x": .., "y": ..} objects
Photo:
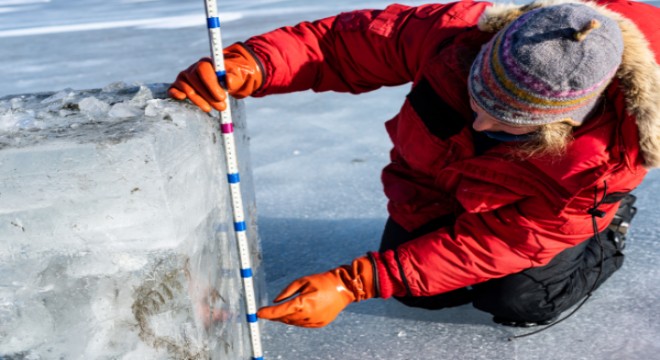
[{"x": 639, "y": 74}]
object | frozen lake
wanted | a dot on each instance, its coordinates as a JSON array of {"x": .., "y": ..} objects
[{"x": 316, "y": 160}]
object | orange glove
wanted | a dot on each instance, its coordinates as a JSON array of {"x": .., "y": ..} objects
[
  {"x": 199, "y": 82},
  {"x": 321, "y": 297}
]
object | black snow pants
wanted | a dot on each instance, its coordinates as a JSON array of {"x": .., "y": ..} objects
[{"x": 534, "y": 295}]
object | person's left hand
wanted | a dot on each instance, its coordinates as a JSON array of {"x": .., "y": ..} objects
[{"x": 321, "y": 297}]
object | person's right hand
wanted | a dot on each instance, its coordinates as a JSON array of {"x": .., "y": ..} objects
[{"x": 199, "y": 82}]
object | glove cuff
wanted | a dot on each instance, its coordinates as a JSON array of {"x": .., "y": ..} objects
[
  {"x": 257, "y": 62},
  {"x": 363, "y": 279},
  {"x": 248, "y": 68}
]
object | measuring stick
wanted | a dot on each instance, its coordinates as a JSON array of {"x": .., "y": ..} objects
[{"x": 227, "y": 129}]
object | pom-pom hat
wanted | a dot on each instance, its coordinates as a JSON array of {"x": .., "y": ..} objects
[{"x": 549, "y": 64}]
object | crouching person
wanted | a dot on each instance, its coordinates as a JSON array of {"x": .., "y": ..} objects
[{"x": 515, "y": 152}]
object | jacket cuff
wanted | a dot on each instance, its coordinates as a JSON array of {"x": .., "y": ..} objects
[{"x": 387, "y": 284}]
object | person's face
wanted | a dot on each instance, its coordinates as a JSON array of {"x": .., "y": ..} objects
[{"x": 485, "y": 122}]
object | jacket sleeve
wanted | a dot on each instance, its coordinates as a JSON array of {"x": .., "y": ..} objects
[
  {"x": 358, "y": 51},
  {"x": 480, "y": 247}
]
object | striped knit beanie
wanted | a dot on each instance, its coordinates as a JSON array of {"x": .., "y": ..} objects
[{"x": 549, "y": 64}]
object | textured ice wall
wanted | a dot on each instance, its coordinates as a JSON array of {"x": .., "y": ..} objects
[{"x": 116, "y": 235}]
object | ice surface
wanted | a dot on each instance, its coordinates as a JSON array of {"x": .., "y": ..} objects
[
  {"x": 117, "y": 237},
  {"x": 317, "y": 161}
]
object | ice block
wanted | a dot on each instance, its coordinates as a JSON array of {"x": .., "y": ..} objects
[{"x": 116, "y": 230}]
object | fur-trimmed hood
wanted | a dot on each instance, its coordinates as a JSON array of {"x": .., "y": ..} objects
[{"x": 639, "y": 74}]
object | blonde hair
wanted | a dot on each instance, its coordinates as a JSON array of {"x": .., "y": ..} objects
[{"x": 550, "y": 140}]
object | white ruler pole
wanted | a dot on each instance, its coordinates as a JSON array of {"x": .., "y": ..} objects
[{"x": 227, "y": 129}]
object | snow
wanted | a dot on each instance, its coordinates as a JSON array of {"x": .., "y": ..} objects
[{"x": 316, "y": 160}]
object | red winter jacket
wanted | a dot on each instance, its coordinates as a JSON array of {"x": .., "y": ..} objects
[{"x": 510, "y": 214}]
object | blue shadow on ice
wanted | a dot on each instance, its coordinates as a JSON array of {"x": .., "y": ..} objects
[{"x": 293, "y": 248}]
